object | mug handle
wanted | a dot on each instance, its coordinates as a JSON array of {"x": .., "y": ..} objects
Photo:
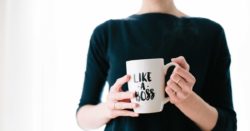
[{"x": 165, "y": 69}]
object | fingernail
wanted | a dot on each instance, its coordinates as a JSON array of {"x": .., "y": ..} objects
[
  {"x": 168, "y": 83},
  {"x": 128, "y": 76},
  {"x": 136, "y": 105},
  {"x": 136, "y": 114},
  {"x": 175, "y": 69},
  {"x": 132, "y": 94}
]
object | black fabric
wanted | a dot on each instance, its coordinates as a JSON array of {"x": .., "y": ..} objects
[{"x": 154, "y": 35}]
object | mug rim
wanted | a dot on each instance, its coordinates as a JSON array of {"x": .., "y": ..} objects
[{"x": 144, "y": 59}]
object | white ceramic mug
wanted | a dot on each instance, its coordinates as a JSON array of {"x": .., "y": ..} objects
[{"x": 148, "y": 82}]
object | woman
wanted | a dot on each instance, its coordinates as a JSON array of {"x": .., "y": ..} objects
[{"x": 199, "y": 89}]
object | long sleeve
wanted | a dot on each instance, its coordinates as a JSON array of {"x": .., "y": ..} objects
[
  {"x": 96, "y": 68},
  {"x": 217, "y": 90}
]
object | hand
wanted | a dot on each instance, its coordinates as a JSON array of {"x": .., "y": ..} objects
[
  {"x": 181, "y": 82},
  {"x": 118, "y": 100}
]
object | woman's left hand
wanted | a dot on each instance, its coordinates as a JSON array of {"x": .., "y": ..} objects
[{"x": 180, "y": 85}]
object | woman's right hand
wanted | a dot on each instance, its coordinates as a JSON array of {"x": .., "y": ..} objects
[{"x": 118, "y": 101}]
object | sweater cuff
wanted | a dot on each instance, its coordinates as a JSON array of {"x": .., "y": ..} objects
[
  {"x": 225, "y": 122},
  {"x": 220, "y": 121}
]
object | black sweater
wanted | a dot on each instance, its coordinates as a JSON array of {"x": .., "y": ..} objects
[{"x": 155, "y": 35}]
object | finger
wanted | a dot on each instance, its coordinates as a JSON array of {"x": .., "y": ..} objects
[
  {"x": 119, "y": 82},
  {"x": 126, "y": 100},
  {"x": 179, "y": 91},
  {"x": 177, "y": 78},
  {"x": 185, "y": 86},
  {"x": 125, "y": 105},
  {"x": 172, "y": 95},
  {"x": 182, "y": 62},
  {"x": 116, "y": 96},
  {"x": 174, "y": 86},
  {"x": 117, "y": 113},
  {"x": 184, "y": 74}
]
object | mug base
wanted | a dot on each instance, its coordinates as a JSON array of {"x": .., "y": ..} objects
[{"x": 148, "y": 112}]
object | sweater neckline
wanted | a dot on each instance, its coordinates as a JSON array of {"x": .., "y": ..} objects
[{"x": 157, "y": 14}]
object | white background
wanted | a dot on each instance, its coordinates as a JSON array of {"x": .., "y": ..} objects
[{"x": 43, "y": 47}]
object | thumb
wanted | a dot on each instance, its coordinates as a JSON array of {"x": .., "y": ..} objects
[{"x": 182, "y": 62}]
